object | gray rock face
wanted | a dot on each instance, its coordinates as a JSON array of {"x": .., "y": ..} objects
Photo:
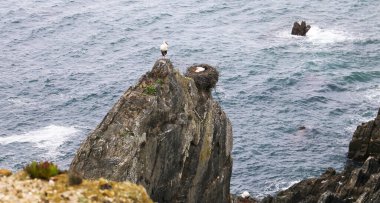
[
  {"x": 166, "y": 135},
  {"x": 366, "y": 141}
]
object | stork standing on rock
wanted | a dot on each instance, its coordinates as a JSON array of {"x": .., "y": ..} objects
[{"x": 164, "y": 48}]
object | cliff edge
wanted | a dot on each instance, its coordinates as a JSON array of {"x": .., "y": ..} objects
[
  {"x": 167, "y": 134},
  {"x": 20, "y": 188},
  {"x": 366, "y": 141}
]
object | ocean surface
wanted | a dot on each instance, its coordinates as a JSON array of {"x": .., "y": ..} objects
[{"x": 64, "y": 63}]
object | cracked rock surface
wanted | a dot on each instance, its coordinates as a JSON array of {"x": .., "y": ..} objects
[{"x": 165, "y": 134}]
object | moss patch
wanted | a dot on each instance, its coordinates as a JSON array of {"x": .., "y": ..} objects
[{"x": 150, "y": 89}]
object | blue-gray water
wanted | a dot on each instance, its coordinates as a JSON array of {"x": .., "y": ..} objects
[{"x": 64, "y": 63}]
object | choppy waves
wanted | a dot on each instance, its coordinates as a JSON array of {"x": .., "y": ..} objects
[
  {"x": 48, "y": 138},
  {"x": 65, "y": 63},
  {"x": 47, "y": 143}
]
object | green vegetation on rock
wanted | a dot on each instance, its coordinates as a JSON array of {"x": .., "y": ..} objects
[
  {"x": 42, "y": 170},
  {"x": 150, "y": 89},
  {"x": 160, "y": 81}
]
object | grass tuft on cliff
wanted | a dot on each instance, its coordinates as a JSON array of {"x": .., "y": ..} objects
[
  {"x": 42, "y": 170},
  {"x": 151, "y": 90}
]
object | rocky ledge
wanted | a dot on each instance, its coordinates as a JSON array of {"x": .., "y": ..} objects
[
  {"x": 21, "y": 188},
  {"x": 358, "y": 182},
  {"x": 167, "y": 134}
]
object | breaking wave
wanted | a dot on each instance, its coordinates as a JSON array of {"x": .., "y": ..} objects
[
  {"x": 48, "y": 138},
  {"x": 318, "y": 35}
]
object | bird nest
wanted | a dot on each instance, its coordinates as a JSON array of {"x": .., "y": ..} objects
[{"x": 204, "y": 76}]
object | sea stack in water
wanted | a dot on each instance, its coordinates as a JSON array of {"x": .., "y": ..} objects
[
  {"x": 167, "y": 134},
  {"x": 300, "y": 29}
]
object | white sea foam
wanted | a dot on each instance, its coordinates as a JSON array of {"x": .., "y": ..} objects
[
  {"x": 280, "y": 185},
  {"x": 48, "y": 138},
  {"x": 317, "y": 35},
  {"x": 373, "y": 95},
  {"x": 287, "y": 185}
]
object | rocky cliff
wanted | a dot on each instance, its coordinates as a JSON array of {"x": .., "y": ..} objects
[
  {"x": 366, "y": 141},
  {"x": 358, "y": 182},
  {"x": 166, "y": 133}
]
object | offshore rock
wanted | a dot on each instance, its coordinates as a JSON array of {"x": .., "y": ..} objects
[
  {"x": 300, "y": 29},
  {"x": 165, "y": 134},
  {"x": 366, "y": 141},
  {"x": 353, "y": 184}
]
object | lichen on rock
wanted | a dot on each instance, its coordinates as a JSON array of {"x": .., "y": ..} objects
[
  {"x": 20, "y": 188},
  {"x": 5, "y": 172}
]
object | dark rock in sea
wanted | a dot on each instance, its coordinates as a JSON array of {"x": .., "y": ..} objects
[
  {"x": 165, "y": 134},
  {"x": 301, "y": 128},
  {"x": 366, "y": 141},
  {"x": 353, "y": 184},
  {"x": 300, "y": 29}
]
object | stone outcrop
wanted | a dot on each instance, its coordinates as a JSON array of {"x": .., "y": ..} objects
[
  {"x": 5, "y": 172},
  {"x": 366, "y": 141},
  {"x": 352, "y": 185},
  {"x": 356, "y": 183},
  {"x": 165, "y": 134},
  {"x": 20, "y": 188},
  {"x": 300, "y": 29}
]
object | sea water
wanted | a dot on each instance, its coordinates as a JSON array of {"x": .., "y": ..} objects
[{"x": 64, "y": 63}]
